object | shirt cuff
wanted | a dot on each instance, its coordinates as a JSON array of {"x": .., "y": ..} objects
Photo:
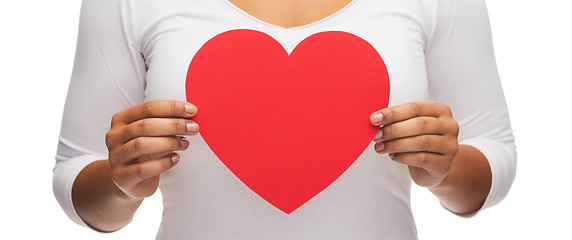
[
  {"x": 502, "y": 160},
  {"x": 65, "y": 173}
]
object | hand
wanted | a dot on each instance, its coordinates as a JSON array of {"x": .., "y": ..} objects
[
  {"x": 422, "y": 135},
  {"x": 142, "y": 141}
]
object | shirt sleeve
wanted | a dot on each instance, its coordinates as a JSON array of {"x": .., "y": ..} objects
[
  {"x": 462, "y": 73},
  {"x": 108, "y": 76}
]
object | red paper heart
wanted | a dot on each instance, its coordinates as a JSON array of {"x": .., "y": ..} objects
[{"x": 287, "y": 125}]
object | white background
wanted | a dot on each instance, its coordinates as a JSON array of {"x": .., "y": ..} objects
[{"x": 533, "y": 43}]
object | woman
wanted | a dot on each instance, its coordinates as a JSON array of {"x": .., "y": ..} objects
[{"x": 446, "y": 127}]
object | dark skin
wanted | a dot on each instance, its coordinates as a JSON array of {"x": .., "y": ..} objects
[
  {"x": 143, "y": 138},
  {"x": 423, "y": 135},
  {"x": 141, "y": 144}
]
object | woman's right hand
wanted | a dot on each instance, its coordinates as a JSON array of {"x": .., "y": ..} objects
[{"x": 142, "y": 141}]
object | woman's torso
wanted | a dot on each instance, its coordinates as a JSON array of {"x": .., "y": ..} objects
[{"x": 203, "y": 199}]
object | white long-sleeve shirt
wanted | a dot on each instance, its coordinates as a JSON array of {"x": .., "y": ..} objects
[{"x": 134, "y": 51}]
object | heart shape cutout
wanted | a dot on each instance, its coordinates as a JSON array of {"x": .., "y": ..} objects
[{"x": 287, "y": 125}]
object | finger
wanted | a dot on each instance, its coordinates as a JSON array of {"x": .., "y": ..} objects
[
  {"x": 150, "y": 127},
  {"x": 407, "y": 111},
  {"x": 131, "y": 175},
  {"x": 411, "y": 127},
  {"x": 156, "y": 127},
  {"x": 432, "y": 162},
  {"x": 155, "y": 109},
  {"x": 421, "y": 143},
  {"x": 142, "y": 146},
  {"x": 150, "y": 157}
]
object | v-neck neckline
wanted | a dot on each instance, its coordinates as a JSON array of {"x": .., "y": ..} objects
[{"x": 245, "y": 16}]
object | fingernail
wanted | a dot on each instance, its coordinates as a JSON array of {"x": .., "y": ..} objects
[
  {"x": 379, "y": 146},
  {"x": 192, "y": 127},
  {"x": 190, "y": 108},
  {"x": 378, "y": 135},
  {"x": 184, "y": 142},
  {"x": 376, "y": 118},
  {"x": 175, "y": 158}
]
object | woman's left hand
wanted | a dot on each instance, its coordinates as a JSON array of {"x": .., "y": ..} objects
[{"x": 422, "y": 135}]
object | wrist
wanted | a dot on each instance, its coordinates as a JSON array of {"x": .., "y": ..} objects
[
  {"x": 467, "y": 184},
  {"x": 447, "y": 183},
  {"x": 118, "y": 193}
]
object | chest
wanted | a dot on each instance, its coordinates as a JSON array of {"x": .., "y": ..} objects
[
  {"x": 290, "y": 13},
  {"x": 169, "y": 37}
]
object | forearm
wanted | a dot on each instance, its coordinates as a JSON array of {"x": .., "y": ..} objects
[
  {"x": 99, "y": 202},
  {"x": 468, "y": 183}
]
